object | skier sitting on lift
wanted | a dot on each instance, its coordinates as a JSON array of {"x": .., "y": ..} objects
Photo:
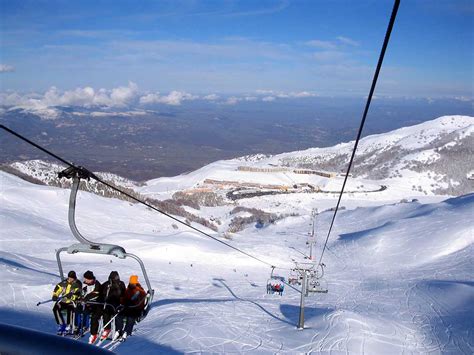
[
  {"x": 66, "y": 293},
  {"x": 112, "y": 291},
  {"x": 89, "y": 308},
  {"x": 133, "y": 303}
]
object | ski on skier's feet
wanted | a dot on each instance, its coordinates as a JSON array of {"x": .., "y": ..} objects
[
  {"x": 114, "y": 344},
  {"x": 102, "y": 340},
  {"x": 81, "y": 335}
]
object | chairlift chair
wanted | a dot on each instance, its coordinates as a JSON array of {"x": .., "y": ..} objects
[
  {"x": 87, "y": 246},
  {"x": 275, "y": 284},
  {"x": 315, "y": 282},
  {"x": 294, "y": 278},
  {"x": 316, "y": 286}
]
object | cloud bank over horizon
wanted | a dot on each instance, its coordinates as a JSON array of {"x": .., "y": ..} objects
[
  {"x": 129, "y": 100},
  {"x": 124, "y": 97}
]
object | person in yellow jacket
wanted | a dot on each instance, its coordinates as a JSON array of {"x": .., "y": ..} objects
[{"x": 65, "y": 294}]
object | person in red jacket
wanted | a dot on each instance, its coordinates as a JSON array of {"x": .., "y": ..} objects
[{"x": 133, "y": 303}]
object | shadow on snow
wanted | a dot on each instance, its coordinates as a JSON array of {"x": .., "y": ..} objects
[
  {"x": 21, "y": 266},
  {"x": 41, "y": 322}
]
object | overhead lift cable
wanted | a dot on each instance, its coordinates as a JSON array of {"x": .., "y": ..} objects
[
  {"x": 364, "y": 116},
  {"x": 95, "y": 177}
]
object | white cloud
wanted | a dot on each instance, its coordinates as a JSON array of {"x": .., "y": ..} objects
[
  {"x": 109, "y": 100},
  {"x": 211, "y": 97},
  {"x": 303, "y": 94},
  {"x": 321, "y": 44},
  {"x": 232, "y": 100},
  {"x": 44, "y": 105},
  {"x": 264, "y": 92},
  {"x": 250, "y": 98},
  {"x": 284, "y": 95},
  {"x": 463, "y": 98},
  {"x": 328, "y": 56},
  {"x": 174, "y": 98},
  {"x": 268, "y": 96},
  {"x": 88, "y": 97},
  {"x": 348, "y": 41},
  {"x": 4, "y": 68},
  {"x": 124, "y": 95}
]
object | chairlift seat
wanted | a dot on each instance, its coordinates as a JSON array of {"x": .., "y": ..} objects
[
  {"x": 314, "y": 286},
  {"x": 276, "y": 284}
]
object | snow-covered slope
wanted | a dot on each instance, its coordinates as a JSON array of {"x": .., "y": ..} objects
[
  {"x": 400, "y": 275},
  {"x": 432, "y": 158},
  {"x": 435, "y": 155},
  {"x": 46, "y": 173}
]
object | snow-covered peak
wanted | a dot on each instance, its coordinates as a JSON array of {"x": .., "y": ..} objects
[{"x": 433, "y": 157}]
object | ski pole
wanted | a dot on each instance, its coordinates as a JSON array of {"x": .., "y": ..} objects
[
  {"x": 43, "y": 302},
  {"x": 102, "y": 327},
  {"x": 111, "y": 319},
  {"x": 51, "y": 300}
]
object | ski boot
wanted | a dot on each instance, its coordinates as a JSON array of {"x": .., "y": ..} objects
[
  {"x": 105, "y": 334},
  {"x": 61, "y": 329},
  {"x": 117, "y": 336},
  {"x": 93, "y": 338},
  {"x": 69, "y": 330}
]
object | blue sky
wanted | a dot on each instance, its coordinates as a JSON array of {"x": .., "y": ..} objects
[{"x": 328, "y": 48}]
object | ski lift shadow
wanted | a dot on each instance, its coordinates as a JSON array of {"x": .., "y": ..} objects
[
  {"x": 222, "y": 281},
  {"x": 291, "y": 312},
  {"x": 16, "y": 264}
]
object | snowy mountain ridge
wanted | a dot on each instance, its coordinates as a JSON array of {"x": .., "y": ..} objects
[
  {"x": 434, "y": 157},
  {"x": 442, "y": 150},
  {"x": 46, "y": 173}
]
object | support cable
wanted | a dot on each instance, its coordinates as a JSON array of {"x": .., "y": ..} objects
[
  {"x": 364, "y": 116},
  {"x": 95, "y": 177}
]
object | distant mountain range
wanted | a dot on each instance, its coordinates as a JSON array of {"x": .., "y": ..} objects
[
  {"x": 435, "y": 158},
  {"x": 165, "y": 140}
]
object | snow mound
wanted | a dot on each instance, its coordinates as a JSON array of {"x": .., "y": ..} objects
[{"x": 411, "y": 234}]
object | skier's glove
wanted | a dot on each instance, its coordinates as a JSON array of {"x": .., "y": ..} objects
[
  {"x": 120, "y": 308},
  {"x": 55, "y": 298}
]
